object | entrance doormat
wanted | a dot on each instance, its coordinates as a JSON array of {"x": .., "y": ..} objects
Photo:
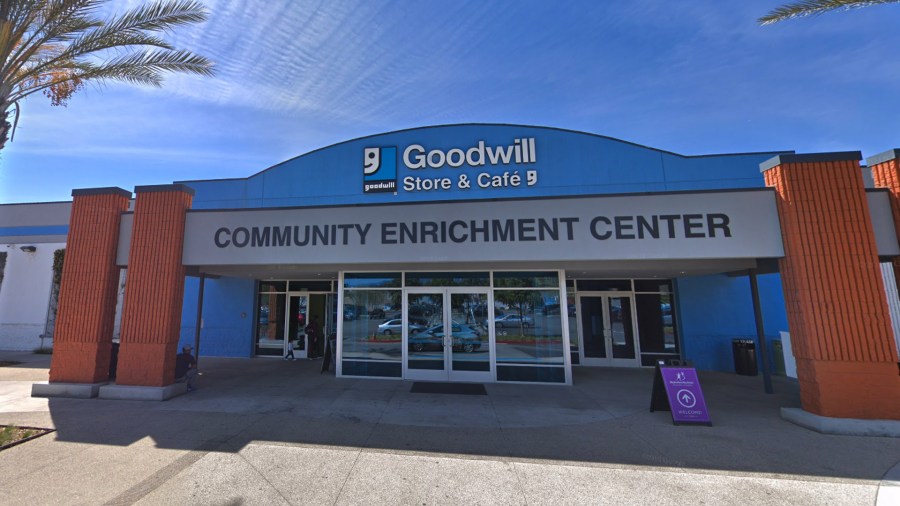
[{"x": 428, "y": 387}]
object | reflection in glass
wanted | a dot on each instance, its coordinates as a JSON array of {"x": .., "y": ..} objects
[
  {"x": 656, "y": 323},
  {"x": 573, "y": 326},
  {"x": 372, "y": 280},
  {"x": 593, "y": 327},
  {"x": 620, "y": 327},
  {"x": 604, "y": 285},
  {"x": 525, "y": 335},
  {"x": 447, "y": 279},
  {"x": 426, "y": 347},
  {"x": 526, "y": 279},
  {"x": 469, "y": 316},
  {"x": 361, "y": 339},
  {"x": 297, "y": 322},
  {"x": 270, "y": 324}
]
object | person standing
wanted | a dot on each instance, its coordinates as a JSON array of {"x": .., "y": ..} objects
[
  {"x": 312, "y": 334},
  {"x": 186, "y": 368}
]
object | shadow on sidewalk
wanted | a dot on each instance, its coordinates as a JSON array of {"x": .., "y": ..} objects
[{"x": 603, "y": 419}]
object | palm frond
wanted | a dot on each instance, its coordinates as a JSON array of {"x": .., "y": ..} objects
[
  {"x": 156, "y": 17},
  {"x": 146, "y": 68},
  {"x": 804, "y": 8},
  {"x": 58, "y": 21},
  {"x": 60, "y": 40},
  {"x": 55, "y": 46}
]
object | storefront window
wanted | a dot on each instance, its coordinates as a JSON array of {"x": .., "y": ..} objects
[
  {"x": 529, "y": 338},
  {"x": 370, "y": 346}
]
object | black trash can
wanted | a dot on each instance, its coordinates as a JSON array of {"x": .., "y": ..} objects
[{"x": 744, "y": 351}]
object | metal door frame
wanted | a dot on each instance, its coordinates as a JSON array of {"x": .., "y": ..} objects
[
  {"x": 447, "y": 373},
  {"x": 304, "y": 353},
  {"x": 609, "y": 361}
]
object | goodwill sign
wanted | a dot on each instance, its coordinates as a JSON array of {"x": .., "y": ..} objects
[{"x": 741, "y": 224}]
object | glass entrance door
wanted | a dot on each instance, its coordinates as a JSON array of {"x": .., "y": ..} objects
[
  {"x": 295, "y": 325},
  {"x": 606, "y": 328},
  {"x": 446, "y": 334}
]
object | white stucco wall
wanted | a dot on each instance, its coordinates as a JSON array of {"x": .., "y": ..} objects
[{"x": 25, "y": 295}]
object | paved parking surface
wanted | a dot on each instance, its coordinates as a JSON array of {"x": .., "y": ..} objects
[{"x": 263, "y": 431}]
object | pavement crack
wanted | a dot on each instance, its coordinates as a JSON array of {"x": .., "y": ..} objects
[
  {"x": 157, "y": 479},
  {"x": 519, "y": 481},
  {"x": 366, "y": 444},
  {"x": 263, "y": 477}
]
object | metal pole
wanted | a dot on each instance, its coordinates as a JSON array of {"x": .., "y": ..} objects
[
  {"x": 760, "y": 332},
  {"x": 199, "y": 319}
]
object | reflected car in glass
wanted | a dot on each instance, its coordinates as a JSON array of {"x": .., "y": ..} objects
[
  {"x": 465, "y": 338},
  {"x": 513, "y": 321},
  {"x": 395, "y": 326}
]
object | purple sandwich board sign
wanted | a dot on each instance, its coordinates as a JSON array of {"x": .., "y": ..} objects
[{"x": 683, "y": 393}]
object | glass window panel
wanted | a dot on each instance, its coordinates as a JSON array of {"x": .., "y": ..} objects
[
  {"x": 447, "y": 279},
  {"x": 273, "y": 286},
  {"x": 361, "y": 338},
  {"x": 604, "y": 285},
  {"x": 524, "y": 335},
  {"x": 653, "y": 285},
  {"x": 426, "y": 331},
  {"x": 620, "y": 327},
  {"x": 372, "y": 280},
  {"x": 470, "y": 331},
  {"x": 526, "y": 279},
  {"x": 593, "y": 326},
  {"x": 656, "y": 323},
  {"x": 270, "y": 324},
  {"x": 309, "y": 286},
  {"x": 573, "y": 327}
]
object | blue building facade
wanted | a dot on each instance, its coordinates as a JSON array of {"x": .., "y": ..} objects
[{"x": 486, "y": 163}]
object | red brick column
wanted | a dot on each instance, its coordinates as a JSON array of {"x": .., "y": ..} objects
[
  {"x": 87, "y": 294},
  {"x": 886, "y": 173},
  {"x": 836, "y": 307},
  {"x": 151, "y": 316}
]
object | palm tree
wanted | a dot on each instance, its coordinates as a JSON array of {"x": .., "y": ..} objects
[
  {"x": 56, "y": 46},
  {"x": 803, "y": 8}
]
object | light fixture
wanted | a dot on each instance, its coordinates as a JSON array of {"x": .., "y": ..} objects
[{"x": 28, "y": 249}]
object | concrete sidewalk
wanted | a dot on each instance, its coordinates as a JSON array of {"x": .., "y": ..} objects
[{"x": 262, "y": 431}]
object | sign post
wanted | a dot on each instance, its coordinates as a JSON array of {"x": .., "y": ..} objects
[{"x": 677, "y": 389}]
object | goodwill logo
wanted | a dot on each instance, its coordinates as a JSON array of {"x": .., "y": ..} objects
[
  {"x": 380, "y": 170},
  {"x": 380, "y": 167}
]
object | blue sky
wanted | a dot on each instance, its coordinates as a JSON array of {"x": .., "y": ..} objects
[{"x": 693, "y": 77}]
